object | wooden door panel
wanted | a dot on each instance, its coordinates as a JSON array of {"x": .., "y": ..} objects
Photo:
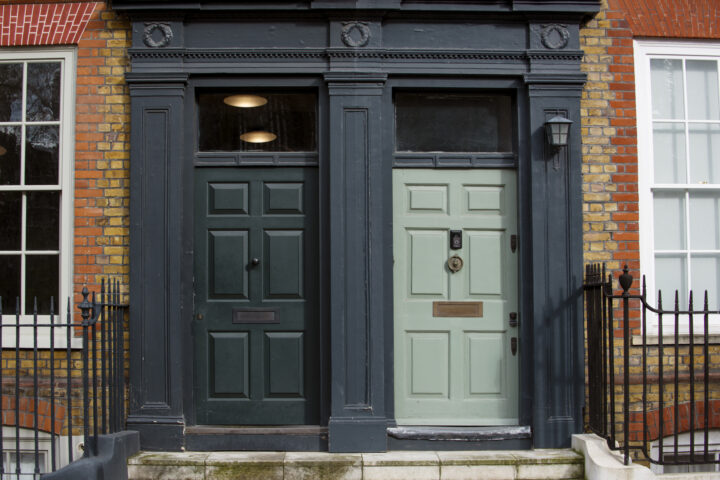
[
  {"x": 283, "y": 198},
  {"x": 483, "y": 364},
  {"x": 227, "y": 258},
  {"x": 429, "y": 364},
  {"x": 228, "y": 198},
  {"x": 257, "y": 325},
  {"x": 427, "y": 257},
  {"x": 229, "y": 348},
  {"x": 485, "y": 262},
  {"x": 284, "y": 363},
  {"x": 283, "y": 269},
  {"x": 427, "y": 198},
  {"x": 454, "y": 370}
]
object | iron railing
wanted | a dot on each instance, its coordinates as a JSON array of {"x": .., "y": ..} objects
[
  {"x": 43, "y": 390},
  {"x": 670, "y": 372}
]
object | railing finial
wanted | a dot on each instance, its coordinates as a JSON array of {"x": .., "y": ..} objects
[
  {"x": 625, "y": 280},
  {"x": 85, "y": 305}
]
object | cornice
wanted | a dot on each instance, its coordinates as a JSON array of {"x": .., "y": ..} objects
[{"x": 214, "y": 55}]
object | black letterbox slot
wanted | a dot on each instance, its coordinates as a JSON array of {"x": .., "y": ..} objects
[{"x": 254, "y": 315}]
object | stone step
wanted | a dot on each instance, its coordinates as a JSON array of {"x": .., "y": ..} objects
[{"x": 397, "y": 465}]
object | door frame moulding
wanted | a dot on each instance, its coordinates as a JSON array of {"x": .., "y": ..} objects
[{"x": 318, "y": 160}]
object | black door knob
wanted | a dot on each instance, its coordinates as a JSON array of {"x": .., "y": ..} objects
[{"x": 255, "y": 262}]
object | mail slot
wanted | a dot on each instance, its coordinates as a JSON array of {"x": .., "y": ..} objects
[
  {"x": 247, "y": 315},
  {"x": 457, "y": 309}
]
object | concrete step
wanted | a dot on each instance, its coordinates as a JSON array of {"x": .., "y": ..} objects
[{"x": 397, "y": 465}]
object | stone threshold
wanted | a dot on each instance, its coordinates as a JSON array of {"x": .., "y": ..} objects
[
  {"x": 426, "y": 465},
  {"x": 460, "y": 434}
]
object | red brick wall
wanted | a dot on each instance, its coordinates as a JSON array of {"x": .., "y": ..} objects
[
  {"x": 610, "y": 170},
  {"x": 101, "y": 166},
  {"x": 670, "y": 18}
]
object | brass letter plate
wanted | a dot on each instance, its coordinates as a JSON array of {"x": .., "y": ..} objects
[{"x": 457, "y": 309}]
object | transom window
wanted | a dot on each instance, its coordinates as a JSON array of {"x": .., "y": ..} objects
[
  {"x": 453, "y": 122},
  {"x": 257, "y": 121},
  {"x": 35, "y": 115},
  {"x": 678, "y": 96}
]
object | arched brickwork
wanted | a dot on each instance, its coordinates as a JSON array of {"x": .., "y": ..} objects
[
  {"x": 690, "y": 19},
  {"x": 44, "y": 24},
  {"x": 27, "y": 414},
  {"x": 668, "y": 415}
]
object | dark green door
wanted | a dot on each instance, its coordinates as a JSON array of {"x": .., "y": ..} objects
[{"x": 256, "y": 311}]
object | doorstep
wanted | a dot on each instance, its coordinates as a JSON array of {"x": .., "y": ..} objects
[{"x": 420, "y": 465}]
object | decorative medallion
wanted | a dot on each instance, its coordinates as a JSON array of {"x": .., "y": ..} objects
[
  {"x": 355, "y": 34},
  {"x": 150, "y": 32},
  {"x": 554, "y": 36}
]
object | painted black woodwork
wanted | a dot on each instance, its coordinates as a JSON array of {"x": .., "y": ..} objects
[
  {"x": 157, "y": 363},
  {"x": 256, "y": 310},
  {"x": 356, "y": 53}
]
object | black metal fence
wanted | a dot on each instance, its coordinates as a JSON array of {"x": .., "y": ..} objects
[
  {"x": 40, "y": 378},
  {"x": 660, "y": 387}
]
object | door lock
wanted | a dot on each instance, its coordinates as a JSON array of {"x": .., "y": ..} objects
[{"x": 455, "y": 263}]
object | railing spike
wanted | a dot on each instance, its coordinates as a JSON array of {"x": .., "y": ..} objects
[{"x": 625, "y": 280}]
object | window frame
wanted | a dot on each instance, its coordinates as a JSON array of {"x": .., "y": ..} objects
[
  {"x": 67, "y": 56},
  {"x": 644, "y": 51}
]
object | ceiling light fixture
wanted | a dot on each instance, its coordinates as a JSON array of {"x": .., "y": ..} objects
[
  {"x": 258, "y": 136},
  {"x": 245, "y": 101}
]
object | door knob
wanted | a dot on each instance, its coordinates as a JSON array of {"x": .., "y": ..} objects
[{"x": 255, "y": 262}]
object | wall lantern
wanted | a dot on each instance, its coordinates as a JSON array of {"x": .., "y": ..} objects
[
  {"x": 3, "y": 151},
  {"x": 557, "y": 129}
]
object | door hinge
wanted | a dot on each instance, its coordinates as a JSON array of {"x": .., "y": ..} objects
[
  {"x": 514, "y": 322},
  {"x": 513, "y": 243},
  {"x": 513, "y": 345}
]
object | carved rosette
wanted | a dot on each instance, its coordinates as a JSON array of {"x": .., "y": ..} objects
[
  {"x": 554, "y": 36},
  {"x": 355, "y": 34},
  {"x": 149, "y": 33}
]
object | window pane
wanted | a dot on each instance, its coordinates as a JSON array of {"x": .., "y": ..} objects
[
  {"x": 43, "y": 91},
  {"x": 669, "y": 224},
  {"x": 704, "y": 153},
  {"x": 10, "y": 285},
  {"x": 290, "y": 116},
  {"x": 42, "y": 273},
  {"x": 43, "y": 220},
  {"x": 705, "y": 221},
  {"x": 667, "y": 88},
  {"x": 10, "y": 218},
  {"x": 669, "y": 152},
  {"x": 11, "y": 92},
  {"x": 42, "y": 155},
  {"x": 705, "y": 276},
  {"x": 702, "y": 91},
  {"x": 10, "y": 155},
  {"x": 27, "y": 464},
  {"x": 671, "y": 275},
  {"x": 439, "y": 122}
]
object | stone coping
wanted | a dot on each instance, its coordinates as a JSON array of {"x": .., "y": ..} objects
[{"x": 395, "y": 458}]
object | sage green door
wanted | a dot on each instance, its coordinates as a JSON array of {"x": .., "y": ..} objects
[
  {"x": 256, "y": 309},
  {"x": 454, "y": 360}
]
